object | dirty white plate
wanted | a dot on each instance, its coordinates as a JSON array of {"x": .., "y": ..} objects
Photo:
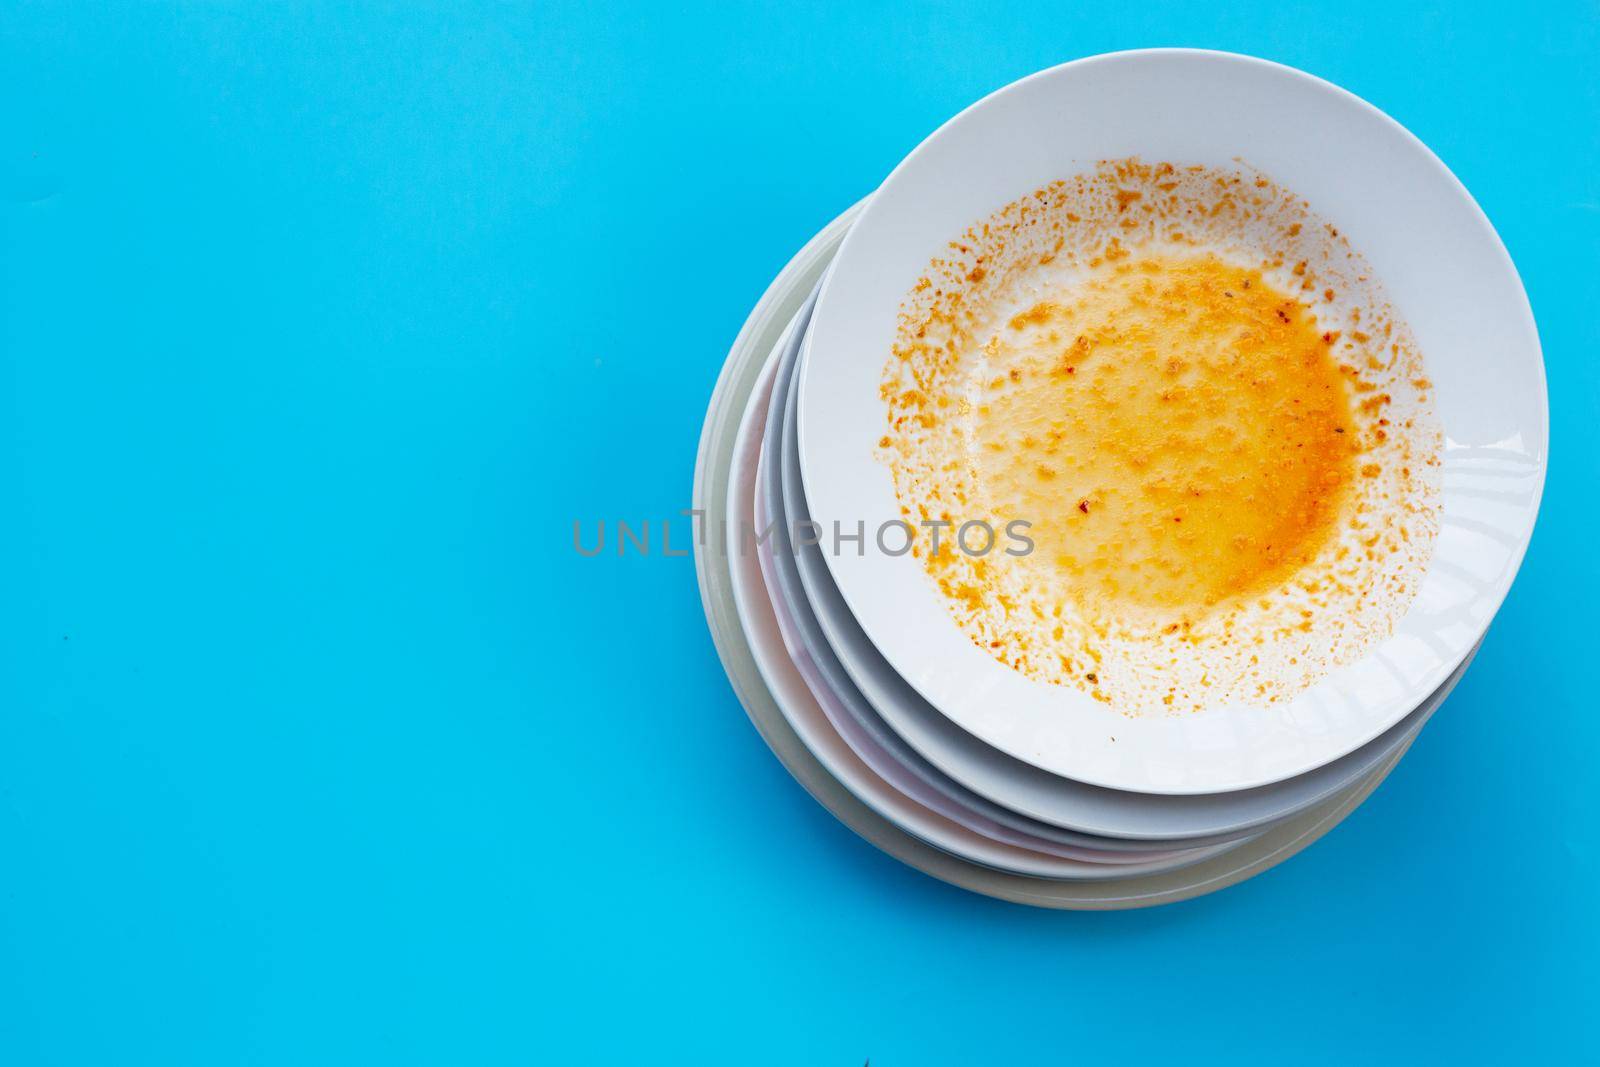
[{"x": 1437, "y": 256}]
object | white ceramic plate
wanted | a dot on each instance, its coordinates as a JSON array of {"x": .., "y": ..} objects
[
  {"x": 1021, "y": 788},
  {"x": 712, "y": 466},
  {"x": 800, "y": 706},
  {"x": 1444, "y": 269}
]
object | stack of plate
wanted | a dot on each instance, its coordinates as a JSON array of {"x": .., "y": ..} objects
[{"x": 855, "y": 672}]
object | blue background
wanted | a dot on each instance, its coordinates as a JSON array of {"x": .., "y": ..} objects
[{"x": 318, "y": 744}]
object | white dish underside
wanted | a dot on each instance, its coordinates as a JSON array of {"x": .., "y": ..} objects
[
  {"x": 712, "y": 467},
  {"x": 1444, "y": 269}
]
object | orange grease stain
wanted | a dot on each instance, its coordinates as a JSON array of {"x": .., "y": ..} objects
[{"x": 1176, "y": 430}]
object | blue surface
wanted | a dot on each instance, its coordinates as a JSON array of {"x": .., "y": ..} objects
[{"x": 318, "y": 744}]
